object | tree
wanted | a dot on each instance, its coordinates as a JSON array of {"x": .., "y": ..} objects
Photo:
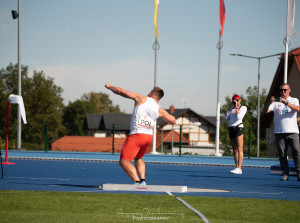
[
  {"x": 75, "y": 112},
  {"x": 74, "y": 115},
  {"x": 249, "y": 121},
  {"x": 43, "y": 104},
  {"x": 102, "y": 102}
]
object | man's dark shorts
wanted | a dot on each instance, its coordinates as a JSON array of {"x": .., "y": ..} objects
[{"x": 235, "y": 131}]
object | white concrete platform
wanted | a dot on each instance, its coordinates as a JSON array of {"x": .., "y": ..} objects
[
  {"x": 204, "y": 190},
  {"x": 152, "y": 188},
  {"x": 157, "y": 188}
]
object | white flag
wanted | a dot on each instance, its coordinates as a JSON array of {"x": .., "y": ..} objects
[
  {"x": 17, "y": 99},
  {"x": 290, "y": 18}
]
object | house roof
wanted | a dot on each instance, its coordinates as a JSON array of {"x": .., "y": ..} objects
[
  {"x": 122, "y": 121},
  {"x": 167, "y": 138},
  {"x": 92, "y": 121},
  {"x": 106, "y": 121},
  {"x": 293, "y": 57},
  {"x": 178, "y": 112}
]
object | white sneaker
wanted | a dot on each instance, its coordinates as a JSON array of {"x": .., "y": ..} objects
[
  {"x": 236, "y": 171},
  {"x": 231, "y": 171},
  {"x": 143, "y": 183}
]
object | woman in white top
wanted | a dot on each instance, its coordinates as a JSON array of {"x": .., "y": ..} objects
[{"x": 235, "y": 114}]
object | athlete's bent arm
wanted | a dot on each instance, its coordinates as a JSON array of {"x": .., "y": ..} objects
[{"x": 170, "y": 119}]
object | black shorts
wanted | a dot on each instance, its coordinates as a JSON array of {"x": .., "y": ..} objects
[{"x": 235, "y": 131}]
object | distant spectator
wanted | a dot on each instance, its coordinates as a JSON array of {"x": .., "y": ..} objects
[
  {"x": 286, "y": 130},
  {"x": 236, "y": 113}
]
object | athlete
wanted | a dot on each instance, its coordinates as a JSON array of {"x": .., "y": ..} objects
[{"x": 145, "y": 112}]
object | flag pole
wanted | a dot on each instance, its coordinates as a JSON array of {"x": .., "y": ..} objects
[
  {"x": 286, "y": 40},
  {"x": 286, "y": 43},
  {"x": 155, "y": 47},
  {"x": 290, "y": 18},
  {"x": 219, "y": 46},
  {"x": 19, "y": 124}
]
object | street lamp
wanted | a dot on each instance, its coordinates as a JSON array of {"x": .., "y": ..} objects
[
  {"x": 258, "y": 95},
  {"x": 16, "y": 15}
]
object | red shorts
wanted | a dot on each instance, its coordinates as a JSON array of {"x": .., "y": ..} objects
[{"x": 135, "y": 146}]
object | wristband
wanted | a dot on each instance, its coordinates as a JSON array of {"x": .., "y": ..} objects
[
  {"x": 236, "y": 107},
  {"x": 286, "y": 102}
]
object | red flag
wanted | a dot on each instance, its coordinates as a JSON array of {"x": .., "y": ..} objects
[{"x": 222, "y": 16}]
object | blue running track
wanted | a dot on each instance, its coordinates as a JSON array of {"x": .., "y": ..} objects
[{"x": 85, "y": 172}]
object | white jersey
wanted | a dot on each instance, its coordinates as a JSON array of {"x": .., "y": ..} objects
[
  {"x": 285, "y": 118},
  {"x": 236, "y": 119},
  {"x": 143, "y": 117}
]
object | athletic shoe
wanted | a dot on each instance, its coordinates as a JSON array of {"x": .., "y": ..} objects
[
  {"x": 136, "y": 183},
  {"x": 285, "y": 177},
  {"x": 232, "y": 171},
  {"x": 143, "y": 183},
  {"x": 236, "y": 171}
]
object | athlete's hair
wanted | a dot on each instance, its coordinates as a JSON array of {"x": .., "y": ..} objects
[{"x": 159, "y": 93}]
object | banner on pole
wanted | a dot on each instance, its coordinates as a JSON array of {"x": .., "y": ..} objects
[
  {"x": 290, "y": 18},
  {"x": 222, "y": 16},
  {"x": 156, "y": 3},
  {"x": 17, "y": 99}
]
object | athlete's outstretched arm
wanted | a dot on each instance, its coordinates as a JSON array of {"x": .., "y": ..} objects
[
  {"x": 124, "y": 93},
  {"x": 120, "y": 91},
  {"x": 166, "y": 116}
]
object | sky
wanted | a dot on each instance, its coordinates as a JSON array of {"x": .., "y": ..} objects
[{"x": 84, "y": 44}]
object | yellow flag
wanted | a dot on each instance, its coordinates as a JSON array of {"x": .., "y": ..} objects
[{"x": 156, "y": 2}]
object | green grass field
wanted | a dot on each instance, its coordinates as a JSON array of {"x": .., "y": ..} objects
[{"x": 36, "y": 206}]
